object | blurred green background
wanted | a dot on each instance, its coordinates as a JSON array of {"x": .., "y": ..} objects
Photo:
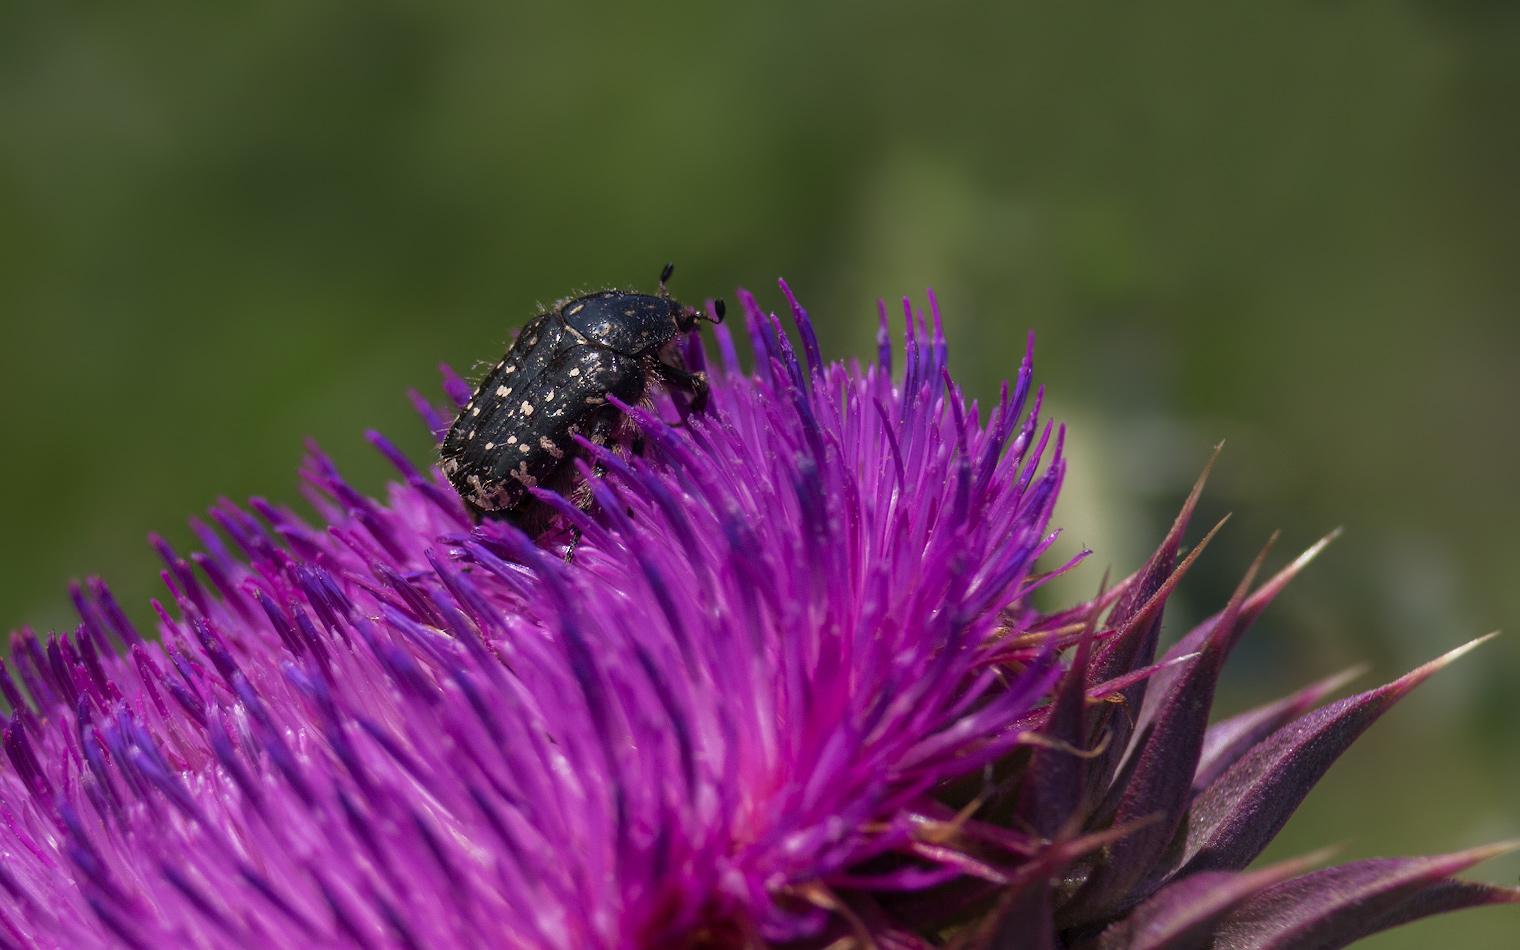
[{"x": 1290, "y": 226}]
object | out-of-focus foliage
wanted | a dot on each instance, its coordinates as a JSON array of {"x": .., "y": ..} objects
[{"x": 1292, "y": 226}]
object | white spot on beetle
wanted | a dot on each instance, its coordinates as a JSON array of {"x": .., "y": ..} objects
[
  {"x": 471, "y": 434},
  {"x": 509, "y": 369},
  {"x": 524, "y": 448},
  {"x": 475, "y": 411},
  {"x": 503, "y": 391},
  {"x": 511, "y": 440},
  {"x": 550, "y": 447},
  {"x": 575, "y": 372},
  {"x": 574, "y": 310},
  {"x": 490, "y": 445},
  {"x": 527, "y": 408},
  {"x": 550, "y": 397}
]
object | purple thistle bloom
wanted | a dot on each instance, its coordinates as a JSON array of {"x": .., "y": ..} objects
[{"x": 790, "y": 689}]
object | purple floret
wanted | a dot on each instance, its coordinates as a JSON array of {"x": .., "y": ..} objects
[{"x": 778, "y": 634}]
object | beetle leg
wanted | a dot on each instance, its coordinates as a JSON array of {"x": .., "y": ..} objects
[
  {"x": 694, "y": 384},
  {"x": 601, "y": 432},
  {"x": 602, "y": 429}
]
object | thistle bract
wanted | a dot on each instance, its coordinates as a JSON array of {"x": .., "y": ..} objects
[{"x": 789, "y": 689}]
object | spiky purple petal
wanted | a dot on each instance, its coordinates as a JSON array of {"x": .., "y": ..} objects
[
  {"x": 1233, "y": 819},
  {"x": 1186, "y": 915},
  {"x": 1335, "y": 907}
]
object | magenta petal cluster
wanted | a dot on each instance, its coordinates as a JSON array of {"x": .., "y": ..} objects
[
  {"x": 777, "y": 680},
  {"x": 397, "y": 729}
]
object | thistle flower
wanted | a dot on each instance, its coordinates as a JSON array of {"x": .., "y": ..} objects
[{"x": 791, "y": 689}]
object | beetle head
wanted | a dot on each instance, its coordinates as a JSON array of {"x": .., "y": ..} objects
[{"x": 687, "y": 318}]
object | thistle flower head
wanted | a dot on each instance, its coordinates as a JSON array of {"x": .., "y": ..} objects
[{"x": 790, "y": 689}]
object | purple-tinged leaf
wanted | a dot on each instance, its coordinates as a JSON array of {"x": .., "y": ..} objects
[
  {"x": 1137, "y": 616},
  {"x": 1120, "y": 729},
  {"x": 1022, "y": 919},
  {"x": 1185, "y": 914},
  {"x": 1249, "y": 611},
  {"x": 1103, "y": 692},
  {"x": 1109, "y": 692},
  {"x": 1026, "y": 920},
  {"x": 1159, "y": 568},
  {"x": 1235, "y": 817},
  {"x": 1335, "y": 907},
  {"x": 1053, "y": 786},
  {"x": 1229, "y": 739},
  {"x": 886, "y": 933},
  {"x": 1165, "y": 758},
  {"x": 1070, "y": 622},
  {"x": 1440, "y": 898}
]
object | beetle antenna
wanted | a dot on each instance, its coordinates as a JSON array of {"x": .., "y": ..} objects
[
  {"x": 665, "y": 275},
  {"x": 719, "y": 309}
]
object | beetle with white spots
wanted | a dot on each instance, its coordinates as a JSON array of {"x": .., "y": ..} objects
[{"x": 562, "y": 368}]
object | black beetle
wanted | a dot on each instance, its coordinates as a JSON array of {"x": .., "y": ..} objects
[{"x": 518, "y": 430}]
